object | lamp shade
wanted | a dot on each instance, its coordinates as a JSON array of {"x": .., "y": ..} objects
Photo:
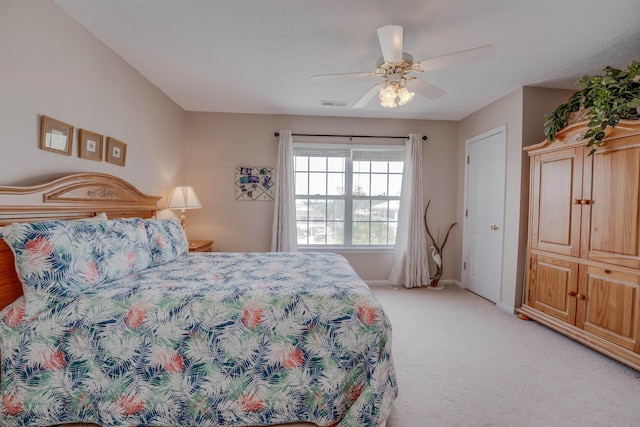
[{"x": 183, "y": 197}]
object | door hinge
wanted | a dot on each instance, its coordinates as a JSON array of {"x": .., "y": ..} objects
[
  {"x": 464, "y": 265},
  {"x": 468, "y": 159},
  {"x": 466, "y": 212}
]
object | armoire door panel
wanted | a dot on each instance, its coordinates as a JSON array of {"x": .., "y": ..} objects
[
  {"x": 556, "y": 216},
  {"x": 612, "y": 187},
  {"x": 610, "y": 305},
  {"x": 555, "y": 208},
  {"x": 552, "y": 283}
]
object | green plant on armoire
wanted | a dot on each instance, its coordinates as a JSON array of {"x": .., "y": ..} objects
[{"x": 603, "y": 99}]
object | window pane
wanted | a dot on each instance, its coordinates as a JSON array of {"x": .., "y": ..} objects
[
  {"x": 335, "y": 210},
  {"x": 393, "y": 228},
  {"x": 395, "y": 185},
  {"x": 396, "y": 167},
  {"x": 317, "y": 209},
  {"x": 303, "y": 229},
  {"x": 379, "y": 211},
  {"x": 361, "y": 209},
  {"x": 336, "y": 164},
  {"x": 301, "y": 163},
  {"x": 317, "y": 233},
  {"x": 379, "y": 167},
  {"x": 335, "y": 235},
  {"x": 318, "y": 164},
  {"x": 361, "y": 167},
  {"x": 360, "y": 233},
  {"x": 302, "y": 183},
  {"x": 335, "y": 184},
  {"x": 318, "y": 184},
  {"x": 379, "y": 184},
  {"x": 394, "y": 207},
  {"x": 302, "y": 210},
  {"x": 361, "y": 184},
  {"x": 379, "y": 233}
]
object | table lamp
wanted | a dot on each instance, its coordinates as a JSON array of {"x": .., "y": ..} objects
[{"x": 183, "y": 197}]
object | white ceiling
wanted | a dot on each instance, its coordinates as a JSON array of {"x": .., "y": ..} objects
[{"x": 254, "y": 56}]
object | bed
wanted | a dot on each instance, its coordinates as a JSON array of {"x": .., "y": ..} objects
[{"x": 106, "y": 318}]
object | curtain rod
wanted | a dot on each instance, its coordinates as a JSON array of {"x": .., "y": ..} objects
[{"x": 424, "y": 137}]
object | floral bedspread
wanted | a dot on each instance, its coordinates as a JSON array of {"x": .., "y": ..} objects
[{"x": 209, "y": 339}]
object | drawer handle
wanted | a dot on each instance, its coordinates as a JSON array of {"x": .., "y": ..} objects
[
  {"x": 572, "y": 294},
  {"x": 580, "y": 296},
  {"x": 607, "y": 271}
]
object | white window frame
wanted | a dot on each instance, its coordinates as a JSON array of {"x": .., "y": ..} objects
[{"x": 348, "y": 198}]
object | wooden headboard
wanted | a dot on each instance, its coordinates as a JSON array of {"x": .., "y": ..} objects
[{"x": 81, "y": 195}]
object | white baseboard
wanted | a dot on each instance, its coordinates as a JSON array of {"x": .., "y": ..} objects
[
  {"x": 506, "y": 307},
  {"x": 451, "y": 282},
  {"x": 377, "y": 282},
  {"x": 386, "y": 282}
]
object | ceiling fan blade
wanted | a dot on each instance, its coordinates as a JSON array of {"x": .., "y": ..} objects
[
  {"x": 425, "y": 89},
  {"x": 317, "y": 77},
  {"x": 390, "y": 37},
  {"x": 458, "y": 58},
  {"x": 364, "y": 100}
]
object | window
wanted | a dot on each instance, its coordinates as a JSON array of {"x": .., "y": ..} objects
[{"x": 347, "y": 196}]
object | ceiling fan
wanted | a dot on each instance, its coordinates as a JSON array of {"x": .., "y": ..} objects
[{"x": 396, "y": 68}]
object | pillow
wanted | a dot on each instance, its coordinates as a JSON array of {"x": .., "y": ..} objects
[
  {"x": 126, "y": 248},
  {"x": 167, "y": 240},
  {"x": 56, "y": 260}
]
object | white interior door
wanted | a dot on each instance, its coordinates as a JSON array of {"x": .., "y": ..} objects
[{"x": 484, "y": 214}]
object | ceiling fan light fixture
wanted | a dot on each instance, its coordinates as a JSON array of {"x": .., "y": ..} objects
[
  {"x": 392, "y": 91},
  {"x": 388, "y": 96},
  {"x": 405, "y": 96},
  {"x": 388, "y": 104},
  {"x": 387, "y": 91}
]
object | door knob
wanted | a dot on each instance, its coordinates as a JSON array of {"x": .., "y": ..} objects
[{"x": 494, "y": 227}]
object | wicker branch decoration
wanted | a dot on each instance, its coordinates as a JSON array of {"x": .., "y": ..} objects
[{"x": 436, "y": 248}]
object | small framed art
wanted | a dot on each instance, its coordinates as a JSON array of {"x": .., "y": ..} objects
[
  {"x": 90, "y": 145},
  {"x": 116, "y": 151},
  {"x": 254, "y": 183},
  {"x": 56, "y": 136}
]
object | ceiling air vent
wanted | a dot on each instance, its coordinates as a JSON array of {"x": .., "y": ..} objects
[{"x": 334, "y": 103}]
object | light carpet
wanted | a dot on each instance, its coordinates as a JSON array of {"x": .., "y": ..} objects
[{"x": 461, "y": 361}]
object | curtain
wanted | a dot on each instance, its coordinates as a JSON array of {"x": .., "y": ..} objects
[
  {"x": 410, "y": 263},
  {"x": 283, "y": 231}
]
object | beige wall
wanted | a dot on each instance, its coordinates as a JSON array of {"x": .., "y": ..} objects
[
  {"x": 50, "y": 65},
  {"x": 522, "y": 111},
  {"x": 217, "y": 143}
]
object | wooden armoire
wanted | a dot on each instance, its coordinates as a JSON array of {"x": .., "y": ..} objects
[{"x": 583, "y": 271}]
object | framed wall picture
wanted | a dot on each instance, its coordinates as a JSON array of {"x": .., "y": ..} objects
[
  {"x": 254, "y": 183},
  {"x": 116, "y": 151},
  {"x": 56, "y": 136},
  {"x": 90, "y": 145}
]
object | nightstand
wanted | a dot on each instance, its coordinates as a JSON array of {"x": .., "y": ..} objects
[{"x": 200, "y": 245}]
